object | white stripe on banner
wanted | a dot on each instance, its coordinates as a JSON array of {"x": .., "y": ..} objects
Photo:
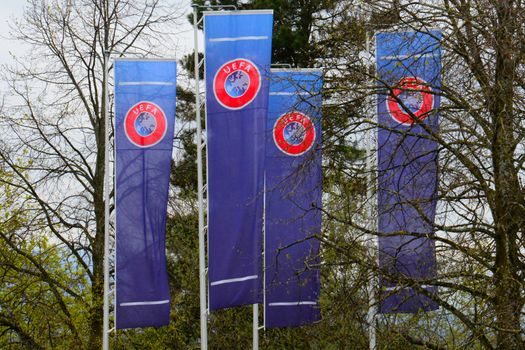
[
  {"x": 239, "y": 38},
  {"x": 403, "y": 57},
  {"x": 390, "y": 289},
  {"x": 304, "y": 93},
  {"x": 233, "y": 280},
  {"x": 137, "y": 303},
  {"x": 293, "y": 303},
  {"x": 132, "y": 83}
]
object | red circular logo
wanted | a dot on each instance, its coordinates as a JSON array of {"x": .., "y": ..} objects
[
  {"x": 294, "y": 133},
  {"x": 145, "y": 124},
  {"x": 416, "y": 97},
  {"x": 236, "y": 83}
]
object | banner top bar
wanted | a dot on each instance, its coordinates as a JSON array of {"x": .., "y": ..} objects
[
  {"x": 394, "y": 31},
  {"x": 168, "y": 59},
  {"x": 306, "y": 70},
  {"x": 239, "y": 12}
]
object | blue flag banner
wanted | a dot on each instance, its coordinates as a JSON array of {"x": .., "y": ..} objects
[
  {"x": 237, "y": 54},
  {"x": 408, "y": 66},
  {"x": 144, "y": 122},
  {"x": 293, "y": 198}
]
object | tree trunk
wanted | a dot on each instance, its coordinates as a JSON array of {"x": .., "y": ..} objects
[
  {"x": 96, "y": 314},
  {"x": 507, "y": 213},
  {"x": 97, "y": 286}
]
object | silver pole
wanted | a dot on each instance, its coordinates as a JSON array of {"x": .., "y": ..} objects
[
  {"x": 264, "y": 254},
  {"x": 255, "y": 326},
  {"x": 372, "y": 302},
  {"x": 255, "y": 322},
  {"x": 105, "y": 336},
  {"x": 202, "y": 261}
]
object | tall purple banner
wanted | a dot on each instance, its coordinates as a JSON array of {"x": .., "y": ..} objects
[
  {"x": 293, "y": 198},
  {"x": 144, "y": 122},
  {"x": 237, "y": 54},
  {"x": 408, "y": 65}
]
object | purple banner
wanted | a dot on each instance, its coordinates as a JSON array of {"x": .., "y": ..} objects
[
  {"x": 237, "y": 53},
  {"x": 293, "y": 198},
  {"x": 408, "y": 65},
  {"x": 144, "y": 122}
]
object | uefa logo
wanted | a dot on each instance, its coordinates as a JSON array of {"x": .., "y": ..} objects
[
  {"x": 294, "y": 133},
  {"x": 236, "y": 83},
  {"x": 145, "y": 124},
  {"x": 415, "y": 95}
]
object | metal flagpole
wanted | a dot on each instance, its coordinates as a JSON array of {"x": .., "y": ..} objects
[
  {"x": 264, "y": 264},
  {"x": 255, "y": 327},
  {"x": 202, "y": 261},
  {"x": 105, "y": 336},
  {"x": 372, "y": 302},
  {"x": 114, "y": 184}
]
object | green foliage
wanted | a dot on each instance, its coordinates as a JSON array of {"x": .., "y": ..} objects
[
  {"x": 184, "y": 172},
  {"x": 42, "y": 292},
  {"x": 39, "y": 309},
  {"x": 294, "y": 26},
  {"x": 188, "y": 63}
]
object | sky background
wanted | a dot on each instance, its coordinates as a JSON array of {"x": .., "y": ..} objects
[{"x": 11, "y": 10}]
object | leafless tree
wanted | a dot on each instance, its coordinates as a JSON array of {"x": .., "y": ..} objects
[
  {"x": 479, "y": 226},
  {"x": 55, "y": 122}
]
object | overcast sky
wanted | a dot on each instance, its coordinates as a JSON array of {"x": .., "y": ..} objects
[
  {"x": 9, "y": 10},
  {"x": 13, "y": 9}
]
